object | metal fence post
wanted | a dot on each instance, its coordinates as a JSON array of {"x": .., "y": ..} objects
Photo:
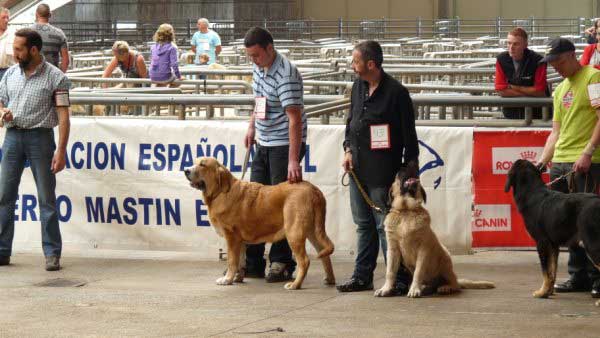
[
  {"x": 498, "y": 28},
  {"x": 189, "y": 29},
  {"x": 340, "y": 27},
  {"x": 457, "y": 27},
  {"x": 419, "y": 27},
  {"x": 581, "y": 28}
]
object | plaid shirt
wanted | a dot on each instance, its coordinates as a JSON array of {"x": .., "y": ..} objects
[{"x": 31, "y": 100}]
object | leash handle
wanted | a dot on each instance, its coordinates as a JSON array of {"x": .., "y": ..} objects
[
  {"x": 246, "y": 158},
  {"x": 570, "y": 176}
]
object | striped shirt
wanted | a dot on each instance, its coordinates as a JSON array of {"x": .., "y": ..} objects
[
  {"x": 31, "y": 99},
  {"x": 282, "y": 87},
  {"x": 53, "y": 39}
]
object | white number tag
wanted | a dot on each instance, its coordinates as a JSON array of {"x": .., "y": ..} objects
[
  {"x": 594, "y": 94},
  {"x": 260, "y": 107},
  {"x": 380, "y": 136},
  {"x": 61, "y": 97}
]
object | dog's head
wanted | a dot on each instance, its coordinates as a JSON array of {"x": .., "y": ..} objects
[
  {"x": 523, "y": 172},
  {"x": 407, "y": 191},
  {"x": 209, "y": 176}
]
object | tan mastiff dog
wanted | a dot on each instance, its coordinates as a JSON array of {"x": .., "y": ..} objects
[
  {"x": 412, "y": 243},
  {"x": 248, "y": 212}
]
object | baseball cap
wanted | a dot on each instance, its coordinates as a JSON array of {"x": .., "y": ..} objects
[{"x": 557, "y": 47}]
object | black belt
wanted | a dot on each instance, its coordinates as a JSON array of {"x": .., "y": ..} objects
[{"x": 28, "y": 129}]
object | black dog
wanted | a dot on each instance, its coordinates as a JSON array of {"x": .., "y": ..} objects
[{"x": 553, "y": 219}]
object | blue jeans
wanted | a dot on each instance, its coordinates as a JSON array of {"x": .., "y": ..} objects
[
  {"x": 37, "y": 146},
  {"x": 370, "y": 232}
]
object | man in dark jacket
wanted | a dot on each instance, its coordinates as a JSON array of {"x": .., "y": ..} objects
[
  {"x": 380, "y": 138},
  {"x": 518, "y": 73}
]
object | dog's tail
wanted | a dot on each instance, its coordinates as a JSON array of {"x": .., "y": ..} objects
[
  {"x": 475, "y": 284},
  {"x": 320, "y": 210}
]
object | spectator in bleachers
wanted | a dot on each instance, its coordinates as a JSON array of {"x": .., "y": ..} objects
[
  {"x": 164, "y": 66},
  {"x": 55, "y": 49},
  {"x": 590, "y": 33},
  {"x": 591, "y": 55},
  {"x": 204, "y": 58},
  {"x": 129, "y": 62},
  {"x": 519, "y": 74},
  {"x": 7, "y": 36},
  {"x": 207, "y": 41}
]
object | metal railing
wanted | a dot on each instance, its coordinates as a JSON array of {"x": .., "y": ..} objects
[
  {"x": 430, "y": 109},
  {"x": 92, "y": 34}
]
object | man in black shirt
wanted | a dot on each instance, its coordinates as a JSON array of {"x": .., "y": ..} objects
[{"x": 380, "y": 138}]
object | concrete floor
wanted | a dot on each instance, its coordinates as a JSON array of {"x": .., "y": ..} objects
[{"x": 179, "y": 298}]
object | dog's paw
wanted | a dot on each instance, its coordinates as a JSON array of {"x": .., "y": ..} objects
[
  {"x": 224, "y": 281},
  {"x": 414, "y": 293},
  {"x": 239, "y": 278},
  {"x": 541, "y": 293},
  {"x": 329, "y": 281},
  {"x": 445, "y": 290},
  {"x": 291, "y": 286},
  {"x": 383, "y": 292}
]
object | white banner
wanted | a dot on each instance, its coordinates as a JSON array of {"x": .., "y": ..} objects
[{"x": 124, "y": 189}]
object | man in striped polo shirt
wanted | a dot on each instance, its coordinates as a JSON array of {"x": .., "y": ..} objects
[{"x": 279, "y": 123}]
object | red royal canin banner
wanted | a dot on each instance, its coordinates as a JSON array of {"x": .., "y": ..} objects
[{"x": 496, "y": 222}]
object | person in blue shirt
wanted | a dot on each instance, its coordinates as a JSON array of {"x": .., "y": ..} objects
[{"x": 205, "y": 41}]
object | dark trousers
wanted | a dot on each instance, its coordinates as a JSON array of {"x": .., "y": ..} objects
[
  {"x": 270, "y": 167},
  {"x": 579, "y": 266}
]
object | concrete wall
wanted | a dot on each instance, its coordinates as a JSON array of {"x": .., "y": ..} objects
[
  {"x": 356, "y": 10},
  {"x": 485, "y": 9},
  {"x": 433, "y": 9}
]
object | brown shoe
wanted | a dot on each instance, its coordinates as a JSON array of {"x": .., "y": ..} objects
[
  {"x": 52, "y": 263},
  {"x": 4, "y": 260}
]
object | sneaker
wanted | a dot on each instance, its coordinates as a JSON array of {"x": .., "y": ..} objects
[
  {"x": 278, "y": 272},
  {"x": 596, "y": 289},
  {"x": 52, "y": 263},
  {"x": 572, "y": 285},
  {"x": 355, "y": 284},
  {"x": 4, "y": 260}
]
